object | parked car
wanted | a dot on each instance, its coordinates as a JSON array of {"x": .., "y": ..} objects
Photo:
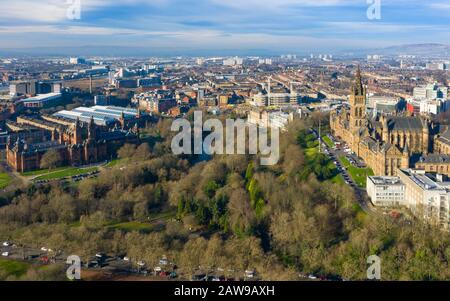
[
  {"x": 44, "y": 249},
  {"x": 141, "y": 263},
  {"x": 100, "y": 255},
  {"x": 163, "y": 261},
  {"x": 249, "y": 274},
  {"x": 6, "y": 243},
  {"x": 5, "y": 254},
  {"x": 173, "y": 275},
  {"x": 199, "y": 277}
]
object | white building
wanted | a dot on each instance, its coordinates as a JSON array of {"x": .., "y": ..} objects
[
  {"x": 427, "y": 196},
  {"x": 431, "y": 91},
  {"x": 42, "y": 100},
  {"x": 76, "y": 61},
  {"x": 235, "y": 61},
  {"x": 386, "y": 191},
  {"x": 433, "y": 106},
  {"x": 383, "y": 104},
  {"x": 273, "y": 119}
]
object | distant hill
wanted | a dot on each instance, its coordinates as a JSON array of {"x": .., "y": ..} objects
[
  {"x": 428, "y": 50},
  {"x": 420, "y": 50}
]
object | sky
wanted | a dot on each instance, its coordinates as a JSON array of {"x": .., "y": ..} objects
[{"x": 184, "y": 25}]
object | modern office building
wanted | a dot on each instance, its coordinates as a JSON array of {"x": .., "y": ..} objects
[
  {"x": 426, "y": 195},
  {"x": 42, "y": 101},
  {"x": 431, "y": 91},
  {"x": 386, "y": 191},
  {"x": 33, "y": 88}
]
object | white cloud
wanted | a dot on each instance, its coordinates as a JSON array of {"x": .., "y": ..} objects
[
  {"x": 52, "y": 11},
  {"x": 439, "y": 5}
]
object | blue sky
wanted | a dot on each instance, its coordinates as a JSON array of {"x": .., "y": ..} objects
[{"x": 276, "y": 25}]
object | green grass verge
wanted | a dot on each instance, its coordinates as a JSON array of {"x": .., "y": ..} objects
[
  {"x": 68, "y": 172},
  {"x": 338, "y": 179},
  {"x": 328, "y": 141},
  {"x": 359, "y": 175},
  {"x": 13, "y": 268},
  {"x": 5, "y": 180}
]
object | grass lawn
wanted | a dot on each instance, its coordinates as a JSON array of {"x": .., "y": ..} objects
[
  {"x": 13, "y": 268},
  {"x": 113, "y": 163},
  {"x": 359, "y": 175},
  {"x": 68, "y": 172},
  {"x": 328, "y": 141},
  {"x": 5, "y": 180},
  {"x": 338, "y": 179},
  {"x": 145, "y": 227},
  {"x": 41, "y": 172}
]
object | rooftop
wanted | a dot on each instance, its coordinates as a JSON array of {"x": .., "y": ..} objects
[{"x": 386, "y": 180}]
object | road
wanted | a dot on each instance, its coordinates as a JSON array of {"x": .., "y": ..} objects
[{"x": 360, "y": 193}]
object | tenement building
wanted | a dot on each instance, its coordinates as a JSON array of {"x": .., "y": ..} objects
[
  {"x": 388, "y": 142},
  {"x": 78, "y": 143}
]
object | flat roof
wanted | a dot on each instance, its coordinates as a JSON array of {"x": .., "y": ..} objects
[
  {"x": 103, "y": 115},
  {"x": 42, "y": 97},
  {"x": 386, "y": 180}
]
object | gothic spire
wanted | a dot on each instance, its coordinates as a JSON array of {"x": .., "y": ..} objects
[{"x": 358, "y": 87}]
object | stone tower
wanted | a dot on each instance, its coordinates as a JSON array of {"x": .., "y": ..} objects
[{"x": 358, "y": 103}]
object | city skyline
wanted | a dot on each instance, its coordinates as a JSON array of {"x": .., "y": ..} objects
[{"x": 211, "y": 25}]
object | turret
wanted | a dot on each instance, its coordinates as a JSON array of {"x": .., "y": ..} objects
[
  {"x": 122, "y": 120},
  {"x": 425, "y": 137},
  {"x": 385, "y": 129},
  {"x": 405, "y": 157},
  {"x": 91, "y": 129},
  {"x": 77, "y": 139}
]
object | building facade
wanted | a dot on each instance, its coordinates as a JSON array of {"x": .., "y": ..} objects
[
  {"x": 78, "y": 144},
  {"x": 386, "y": 191},
  {"x": 384, "y": 142},
  {"x": 426, "y": 195}
]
